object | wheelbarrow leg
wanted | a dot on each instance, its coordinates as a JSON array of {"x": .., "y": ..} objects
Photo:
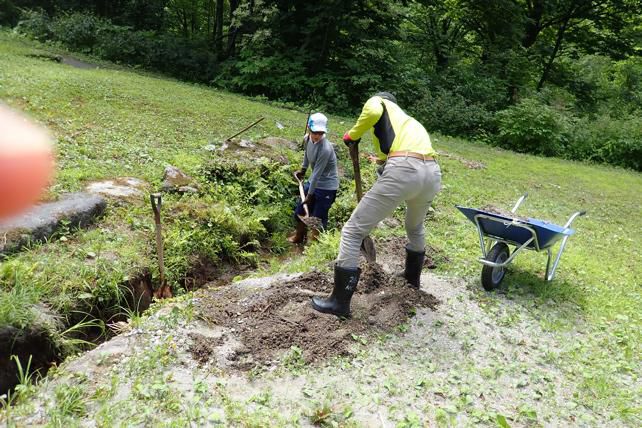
[{"x": 551, "y": 275}]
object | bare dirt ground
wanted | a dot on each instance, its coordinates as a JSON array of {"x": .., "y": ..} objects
[
  {"x": 270, "y": 321},
  {"x": 253, "y": 353}
]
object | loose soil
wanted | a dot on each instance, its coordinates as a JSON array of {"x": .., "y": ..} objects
[
  {"x": 503, "y": 212},
  {"x": 270, "y": 321}
]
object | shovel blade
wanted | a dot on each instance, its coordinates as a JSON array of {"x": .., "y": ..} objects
[{"x": 368, "y": 249}]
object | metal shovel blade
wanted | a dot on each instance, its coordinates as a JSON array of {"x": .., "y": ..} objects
[{"x": 368, "y": 249}]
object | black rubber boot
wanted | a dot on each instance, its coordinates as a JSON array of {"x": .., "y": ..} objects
[
  {"x": 345, "y": 282},
  {"x": 414, "y": 264}
]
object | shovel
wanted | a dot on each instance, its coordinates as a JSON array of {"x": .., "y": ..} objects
[
  {"x": 164, "y": 290},
  {"x": 367, "y": 246},
  {"x": 244, "y": 129},
  {"x": 311, "y": 222}
]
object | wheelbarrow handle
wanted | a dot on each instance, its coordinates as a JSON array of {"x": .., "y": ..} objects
[
  {"x": 573, "y": 217},
  {"x": 519, "y": 202}
]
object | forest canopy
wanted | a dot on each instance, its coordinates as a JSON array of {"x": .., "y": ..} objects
[{"x": 551, "y": 77}]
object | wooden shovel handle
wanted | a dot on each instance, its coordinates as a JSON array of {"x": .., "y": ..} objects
[
  {"x": 354, "y": 155},
  {"x": 302, "y": 194}
]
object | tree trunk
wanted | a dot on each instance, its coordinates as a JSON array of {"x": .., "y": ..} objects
[
  {"x": 231, "y": 40},
  {"x": 558, "y": 44},
  {"x": 218, "y": 32},
  {"x": 534, "y": 23}
]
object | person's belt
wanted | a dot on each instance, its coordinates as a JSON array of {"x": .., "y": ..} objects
[{"x": 411, "y": 155}]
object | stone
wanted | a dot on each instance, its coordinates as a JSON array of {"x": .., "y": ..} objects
[
  {"x": 174, "y": 178},
  {"x": 43, "y": 220},
  {"x": 119, "y": 187}
]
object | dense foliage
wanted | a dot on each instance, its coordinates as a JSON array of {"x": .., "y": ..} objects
[{"x": 553, "y": 77}]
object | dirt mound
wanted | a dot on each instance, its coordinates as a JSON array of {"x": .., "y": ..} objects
[
  {"x": 391, "y": 252},
  {"x": 269, "y": 321}
]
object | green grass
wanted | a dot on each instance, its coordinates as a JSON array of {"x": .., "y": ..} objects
[{"x": 113, "y": 123}]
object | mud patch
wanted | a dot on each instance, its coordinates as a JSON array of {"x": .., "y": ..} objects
[
  {"x": 270, "y": 320},
  {"x": 202, "y": 347}
]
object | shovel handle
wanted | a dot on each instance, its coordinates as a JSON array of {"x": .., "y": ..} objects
[
  {"x": 367, "y": 245},
  {"x": 302, "y": 194},
  {"x": 354, "y": 155},
  {"x": 157, "y": 201},
  {"x": 244, "y": 129}
]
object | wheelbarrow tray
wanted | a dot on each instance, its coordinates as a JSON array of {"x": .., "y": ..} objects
[{"x": 516, "y": 231}]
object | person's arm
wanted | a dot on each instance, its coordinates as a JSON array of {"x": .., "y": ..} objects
[
  {"x": 370, "y": 114},
  {"x": 322, "y": 160}
]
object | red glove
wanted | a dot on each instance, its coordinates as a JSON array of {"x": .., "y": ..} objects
[{"x": 349, "y": 141}]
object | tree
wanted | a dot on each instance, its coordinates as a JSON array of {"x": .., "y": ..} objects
[{"x": 438, "y": 25}]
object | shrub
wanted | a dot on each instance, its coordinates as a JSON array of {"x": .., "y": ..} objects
[
  {"x": 76, "y": 30},
  {"x": 35, "y": 24},
  {"x": 120, "y": 44},
  {"x": 451, "y": 113},
  {"x": 9, "y": 13},
  {"x": 609, "y": 140},
  {"x": 533, "y": 127}
]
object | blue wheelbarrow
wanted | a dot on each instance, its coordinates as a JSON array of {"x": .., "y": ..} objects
[{"x": 498, "y": 231}]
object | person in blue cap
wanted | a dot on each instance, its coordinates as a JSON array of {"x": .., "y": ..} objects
[{"x": 321, "y": 188}]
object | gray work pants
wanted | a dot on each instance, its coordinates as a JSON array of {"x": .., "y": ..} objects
[{"x": 412, "y": 180}]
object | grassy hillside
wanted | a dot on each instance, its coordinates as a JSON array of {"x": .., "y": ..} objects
[{"x": 113, "y": 123}]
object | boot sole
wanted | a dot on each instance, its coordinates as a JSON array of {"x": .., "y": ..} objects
[{"x": 328, "y": 311}]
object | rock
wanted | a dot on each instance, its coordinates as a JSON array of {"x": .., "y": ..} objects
[
  {"x": 188, "y": 189},
  {"x": 119, "y": 187},
  {"x": 39, "y": 223},
  {"x": 278, "y": 142},
  {"x": 174, "y": 178}
]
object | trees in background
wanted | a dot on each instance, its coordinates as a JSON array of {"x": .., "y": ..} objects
[{"x": 555, "y": 77}]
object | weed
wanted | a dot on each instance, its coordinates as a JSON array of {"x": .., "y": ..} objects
[
  {"x": 70, "y": 401},
  {"x": 294, "y": 360},
  {"x": 325, "y": 415}
]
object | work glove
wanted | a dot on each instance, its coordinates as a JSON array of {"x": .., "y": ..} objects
[
  {"x": 349, "y": 141},
  {"x": 300, "y": 174}
]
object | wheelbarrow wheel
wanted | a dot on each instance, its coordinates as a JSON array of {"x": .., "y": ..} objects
[{"x": 491, "y": 276}]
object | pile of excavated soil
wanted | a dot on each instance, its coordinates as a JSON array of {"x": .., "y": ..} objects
[{"x": 269, "y": 321}]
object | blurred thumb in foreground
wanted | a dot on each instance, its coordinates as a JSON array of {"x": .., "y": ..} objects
[{"x": 26, "y": 162}]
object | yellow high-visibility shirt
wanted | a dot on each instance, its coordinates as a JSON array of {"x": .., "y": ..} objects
[{"x": 393, "y": 130}]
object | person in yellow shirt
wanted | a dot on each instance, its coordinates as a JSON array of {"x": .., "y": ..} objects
[{"x": 410, "y": 174}]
